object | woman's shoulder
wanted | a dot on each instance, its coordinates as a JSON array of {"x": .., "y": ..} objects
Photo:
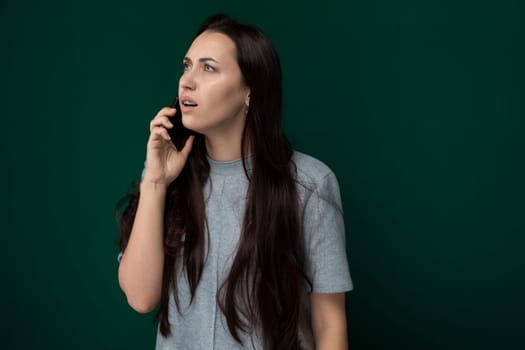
[{"x": 310, "y": 169}]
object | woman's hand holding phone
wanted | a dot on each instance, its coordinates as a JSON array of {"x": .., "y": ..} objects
[{"x": 163, "y": 161}]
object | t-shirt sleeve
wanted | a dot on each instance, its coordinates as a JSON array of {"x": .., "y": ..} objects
[{"x": 325, "y": 248}]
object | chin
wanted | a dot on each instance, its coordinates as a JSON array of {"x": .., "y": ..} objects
[{"x": 189, "y": 123}]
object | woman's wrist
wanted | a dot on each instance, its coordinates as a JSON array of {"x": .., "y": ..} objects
[{"x": 153, "y": 187}]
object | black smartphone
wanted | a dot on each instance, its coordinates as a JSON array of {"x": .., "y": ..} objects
[{"x": 178, "y": 133}]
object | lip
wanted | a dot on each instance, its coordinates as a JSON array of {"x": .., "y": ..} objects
[{"x": 186, "y": 109}]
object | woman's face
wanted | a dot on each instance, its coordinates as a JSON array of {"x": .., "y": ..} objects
[{"x": 213, "y": 96}]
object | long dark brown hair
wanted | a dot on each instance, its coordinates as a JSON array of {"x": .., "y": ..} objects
[{"x": 264, "y": 290}]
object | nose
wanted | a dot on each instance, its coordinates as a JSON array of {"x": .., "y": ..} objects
[{"x": 187, "y": 81}]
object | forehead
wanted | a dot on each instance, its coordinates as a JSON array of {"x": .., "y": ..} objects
[{"x": 212, "y": 44}]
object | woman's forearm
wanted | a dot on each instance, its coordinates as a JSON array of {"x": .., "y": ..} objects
[{"x": 141, "y": 266}]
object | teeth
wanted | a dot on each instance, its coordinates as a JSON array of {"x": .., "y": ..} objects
[{"x": 189, "y": 103}]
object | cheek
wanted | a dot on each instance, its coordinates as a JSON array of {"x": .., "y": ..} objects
[{"x": 226, "y": 97}]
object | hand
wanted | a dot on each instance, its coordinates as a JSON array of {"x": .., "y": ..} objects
[{"x": 163, "y": 161}]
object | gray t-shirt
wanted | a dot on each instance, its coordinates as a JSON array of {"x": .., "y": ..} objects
[{"x": 201, "y": 324}]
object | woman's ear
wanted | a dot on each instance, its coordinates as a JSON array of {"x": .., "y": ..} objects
[{"x": 247, "y": 99}]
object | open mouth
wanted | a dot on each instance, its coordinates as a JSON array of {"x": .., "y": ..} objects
[{"x": 189, "y": 103}]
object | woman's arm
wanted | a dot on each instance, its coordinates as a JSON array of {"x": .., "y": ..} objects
[
  {"x": 140, "y": 270},
  {"x": 329, "y": 321},
  {"x": 142, "y": 264}
]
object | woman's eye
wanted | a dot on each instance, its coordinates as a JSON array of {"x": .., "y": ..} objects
[
  {"x": 209, "y": 68},
  {"x": 186, "y": 66}
]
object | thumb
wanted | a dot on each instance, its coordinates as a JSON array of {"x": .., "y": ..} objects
[{"x": 187, "y": 146}]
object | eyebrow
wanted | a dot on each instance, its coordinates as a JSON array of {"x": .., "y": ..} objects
[{"x": 203, "y": 59}]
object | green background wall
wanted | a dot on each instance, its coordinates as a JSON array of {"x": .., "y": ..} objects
[{"x": 417, "y": 106}]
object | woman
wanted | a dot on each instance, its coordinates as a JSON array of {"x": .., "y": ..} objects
[{"x": 237, "y": 237}]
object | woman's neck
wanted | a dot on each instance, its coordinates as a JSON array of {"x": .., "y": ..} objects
[{"x": 223, "y": 149}]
